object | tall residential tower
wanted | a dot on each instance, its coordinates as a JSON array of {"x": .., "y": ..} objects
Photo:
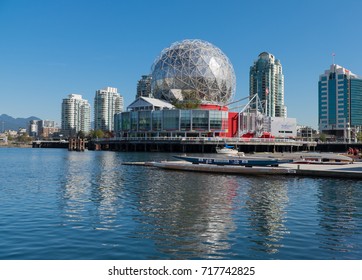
[
  {"x": 75, "y": 115},
  {"x": 267, "y": 80},
  {"x": 107, "y": 103},
  {"x": 339, "y": 102},
  {"x": 144, "y": 86}
]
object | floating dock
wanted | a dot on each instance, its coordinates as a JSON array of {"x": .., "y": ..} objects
[
  {"x": 225, "y": 169},
  {"x": 347, "y": 171}
]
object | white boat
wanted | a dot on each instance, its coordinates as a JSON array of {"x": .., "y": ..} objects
[{"x": 230, "y": 150}]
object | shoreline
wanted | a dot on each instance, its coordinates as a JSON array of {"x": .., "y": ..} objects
[{"x": 16, "y": 146}]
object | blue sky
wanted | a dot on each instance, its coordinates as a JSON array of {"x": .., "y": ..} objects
[{"x": 49, "y": 49}]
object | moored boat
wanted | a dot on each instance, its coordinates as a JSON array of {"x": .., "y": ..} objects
[
  {"x": 227, "y": 150},
  {"x": 240, "y": 161}
]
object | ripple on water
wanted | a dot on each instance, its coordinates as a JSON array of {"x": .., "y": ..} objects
[{"x": 57, "y": 204}]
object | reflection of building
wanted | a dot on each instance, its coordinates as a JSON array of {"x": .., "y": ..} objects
[
  {"x": 144, "y": 86},
  {"x": 75, "y": 115},
  {"x": 339, "y": 219},
  {"x": 267, "y": 80},
  {"x": 107, "y": 103},
  {"x": 198, "y": 225},
  {"x": 266, "y": 203},
  {"x": 340, "y": 101}
]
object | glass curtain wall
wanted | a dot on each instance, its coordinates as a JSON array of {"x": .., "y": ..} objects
[
  {"x": 134, "y": 121},
  {"x": 185, "y": 123},
  {"x": 125, "y": 121},
  {"x": 200, "y": 120},
  {"x": 157, "y": 120},
  {"x": 215, "y": 120},
  {"x": 171, "y": 119},
  {"x": 144, "y": 122}
]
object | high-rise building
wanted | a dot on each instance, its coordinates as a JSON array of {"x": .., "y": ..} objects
[
  {"x": 33, "y": 128},
  {"x": 107, "y": 103},
  {"x": 339, "y": 102},
  {"x": 144, "y": 86},
  {"x": 75, "y": 115},
  {"x": 267, "y": 80},
  {"x": 42, "y": 128}
]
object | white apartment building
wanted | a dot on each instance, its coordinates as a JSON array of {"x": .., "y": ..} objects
[
  {"x": 107, "y": 103},
  {"x": 75, "y": 115}
]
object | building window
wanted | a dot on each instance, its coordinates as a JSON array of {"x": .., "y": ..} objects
[
  {"x": 144, "y": 120},
  {"x": 185, "y": 123},
  {"x": 156, "y": 120},
  {"x": 171, "y": 119},
  {"x": 200, "y": 120},
  {"x": 134, "y": 121},
  {"x": 215, "y": 120},
  {"x": 125, "y": 121}
]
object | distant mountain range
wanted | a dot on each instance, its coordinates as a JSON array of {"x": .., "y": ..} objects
[{"x": 9, "y": 123}]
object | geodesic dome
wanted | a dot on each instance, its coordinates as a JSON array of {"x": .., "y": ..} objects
[{"x": 193, "y": 70}]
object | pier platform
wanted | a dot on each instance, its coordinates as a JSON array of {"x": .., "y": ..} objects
[{"x": 348, "y": 171}]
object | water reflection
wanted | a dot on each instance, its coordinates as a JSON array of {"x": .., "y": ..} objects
[
  {"x": 92, "y": 191},
  {"x": 148, "y": 213},
  {"x": 266, "y": 203},
  {"x": 339, "y": 216},
  {"x": 192, "y": 221}
]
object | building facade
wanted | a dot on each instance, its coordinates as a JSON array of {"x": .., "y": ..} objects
[
  {"x": 42, "y": 128},
  {"x": 339, "y": 102},
  {"x": 267, "y": 81},
  {"x": 144, "y": 86},
  {"x": 107, "y": 103},
  {"x": 75, "y": 115},
  {"x": 281, "y": 127},
  {"x": 149, "y": 117}
]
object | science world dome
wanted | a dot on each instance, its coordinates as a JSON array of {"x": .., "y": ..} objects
[{"x": 193, "y": 70}]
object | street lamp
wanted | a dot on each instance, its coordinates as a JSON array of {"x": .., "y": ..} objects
[{"x": 348, "y": 133}]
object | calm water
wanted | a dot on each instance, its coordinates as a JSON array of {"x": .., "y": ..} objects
[{"x": 56, "y": 204}]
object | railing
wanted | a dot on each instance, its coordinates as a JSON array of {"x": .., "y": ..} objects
[{"x": 211, "y": 140}]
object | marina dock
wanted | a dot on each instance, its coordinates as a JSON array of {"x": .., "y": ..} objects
[{"x": 348, "y": 171}]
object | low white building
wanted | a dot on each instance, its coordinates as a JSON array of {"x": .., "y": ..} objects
[{"x": 281, "y": 127}]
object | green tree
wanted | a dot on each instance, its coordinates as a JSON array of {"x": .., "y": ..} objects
[
  {"x": 190, "y": 100},
  {"x": 323, "y": 137},
  {"x": 359, "y": 136},
  {"x": 97, "y": 134},
  {"x": 24, "y": 138},
  {"x": 81, "y": 134}
]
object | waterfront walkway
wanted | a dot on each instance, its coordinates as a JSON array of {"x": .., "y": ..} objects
[{"x": 200, "y": 144}]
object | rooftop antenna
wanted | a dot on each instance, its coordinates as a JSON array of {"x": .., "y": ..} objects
[{"x": 333, "y": 55}]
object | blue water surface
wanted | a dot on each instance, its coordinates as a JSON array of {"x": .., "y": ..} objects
[{"x": 56, "y": 204}]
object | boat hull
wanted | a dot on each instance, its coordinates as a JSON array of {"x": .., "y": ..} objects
[
  {"x": 210, "y": 168},
  {"x": 243, "y": 161}
]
